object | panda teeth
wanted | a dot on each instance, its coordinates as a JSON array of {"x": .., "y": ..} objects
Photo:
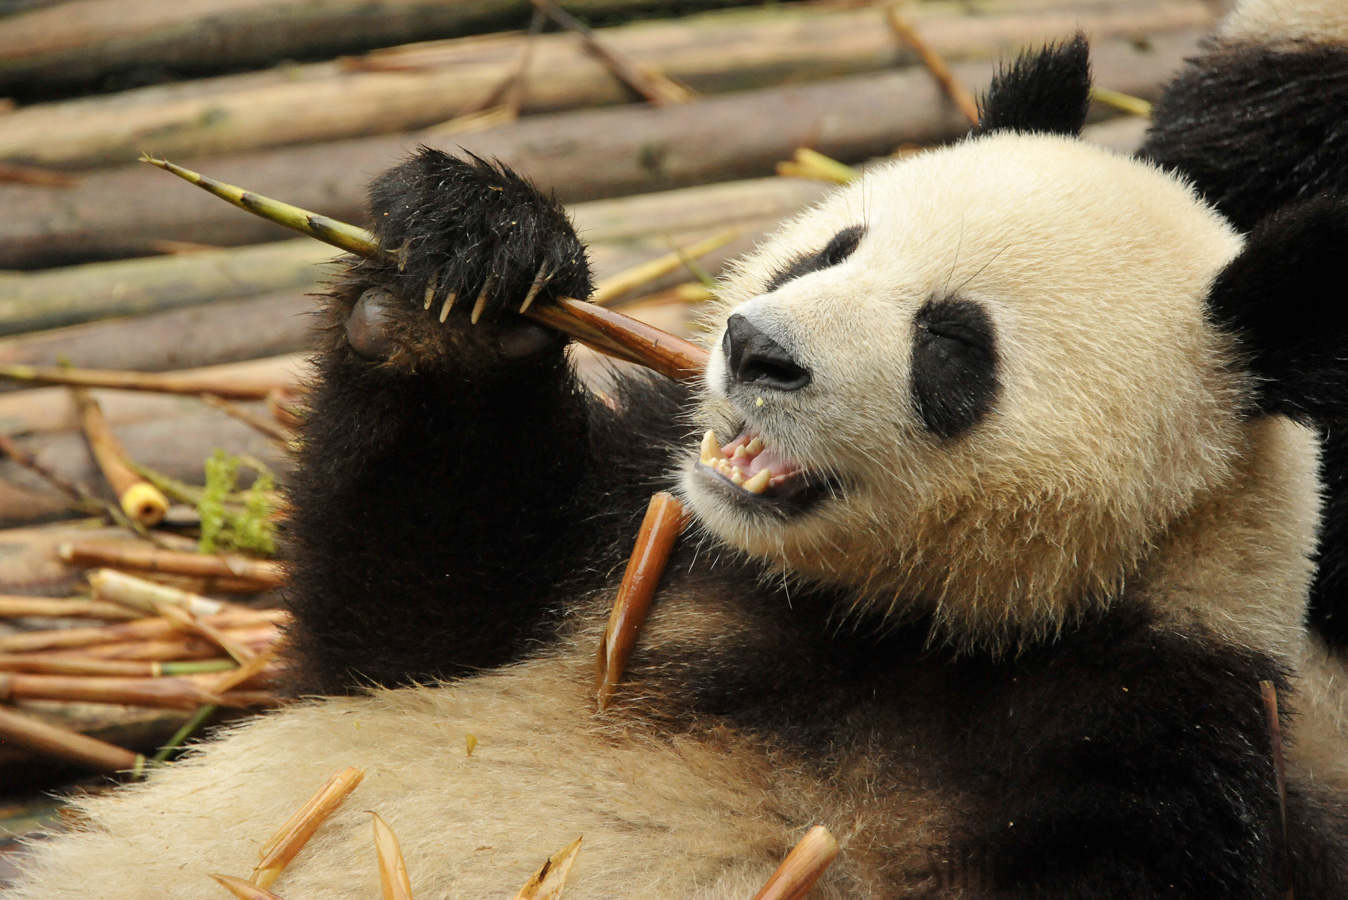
[
  {"x": 759, "y": 483},
  {"x": 711, "y": 449}
]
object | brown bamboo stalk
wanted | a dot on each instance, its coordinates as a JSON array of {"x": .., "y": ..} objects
[
  {"x": 52, "y": 664},
  {"x": 195, "y": 625},
  {"x": 169, "y": 693},
  {"x": 65, "y": 744},
  {"x": 1269, "y": 692},
  {"x": 148, "y": 598},
  {"x": 246, "y": 671},
  {"x": 802, "y": 866},
  {"x": 167, "y": 650},
  {"x": 960, "y": 95},
  {"x": 12, "y": 607},
  {"x": 140, "y": 500},
  {"x": 270, "y": 429},
  {"x": 283, "y": 846},
  {"x": 165, "y": 382},
  {"x": 137, "y": 630},
  {"x": 264, "y": 573},
  {"x": 78, "y": 497},
  {"x": 660, "y": 529}
]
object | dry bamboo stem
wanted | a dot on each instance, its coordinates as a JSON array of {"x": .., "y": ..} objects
[
  {"x": 245, "y": 672},
  {"x": 264, "y": 573},
  {"x": 140, "y": 500},
  {"x": 80, "y": 498},
  {"x": 283, "y": 846},
  {"x": 650, "y": 83},
  {"x": 51, "y": 664},
  {"x": 66, "y": 744},
  {"x": 664, "y": 522},
  {"x": 160, "y": 382},
  {"x": 1269, "y": 692},
  {"x": 194, "y": 625},
  {"x": 138, "y": 630},
  {"x": 603, "y": 330},
  {"x": 802, "y": 866},
  {"x": 615, "y": 286},
  {"x": 169, "y": 693},
  {"x": 166, "y": 651},
  {"x": 14, "y": 607},
  {"x": 263, "y": 426},
  {"x": 953, "y": 87},
  {"x": 547, "y": 883}
]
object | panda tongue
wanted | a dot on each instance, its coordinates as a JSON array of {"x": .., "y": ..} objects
[{"x": 767, "y": 458}]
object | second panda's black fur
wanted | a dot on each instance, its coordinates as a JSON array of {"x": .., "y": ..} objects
[{"x": 456, "y": 504}]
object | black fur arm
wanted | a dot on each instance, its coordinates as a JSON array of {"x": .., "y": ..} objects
[{"x": 446, "y": 439}]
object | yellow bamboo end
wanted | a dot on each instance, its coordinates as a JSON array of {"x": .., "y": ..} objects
[
  {"x": 145, "y": 503},
  {"x": 622, "y": 282}
]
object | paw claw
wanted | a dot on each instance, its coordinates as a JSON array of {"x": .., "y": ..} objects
[
  {"x": 539, "y": 280},
  {"x": 431, "y": 286},
  {"x": 481, "y": 303},
  {"x": 448, "y": 305}
]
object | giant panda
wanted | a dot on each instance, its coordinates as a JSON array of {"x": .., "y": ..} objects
[{"x": 1040, "y": 515}]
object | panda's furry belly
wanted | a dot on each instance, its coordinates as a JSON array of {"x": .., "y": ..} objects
[{"x": 706, "y": 815}]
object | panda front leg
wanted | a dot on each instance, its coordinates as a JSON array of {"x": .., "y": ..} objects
[{"x": 445, "y": 439}]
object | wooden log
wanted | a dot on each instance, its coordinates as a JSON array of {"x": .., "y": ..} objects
[
  {"x": 582, "y": 155},
  {"x": 408, "y": 88},
  {"x": 206, "y": 335},
  {"x": 66, "y": 45}
]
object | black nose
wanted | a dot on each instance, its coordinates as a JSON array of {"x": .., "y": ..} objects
[{"x": 755, "y": 358}]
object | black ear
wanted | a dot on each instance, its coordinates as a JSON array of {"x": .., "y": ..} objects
[
  {"x": 1046, "y": 91},
  {"x": 1285, "y": 297}
]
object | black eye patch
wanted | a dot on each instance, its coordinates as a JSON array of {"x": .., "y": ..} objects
[
  {"x": 954, "y": 380},
  {"x": 843, "y": 244}
]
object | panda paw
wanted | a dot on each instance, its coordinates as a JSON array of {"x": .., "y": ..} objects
[{"x": 475, "y": 245}]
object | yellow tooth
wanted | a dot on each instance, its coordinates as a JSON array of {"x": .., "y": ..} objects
[
  {"x": 740, "y": 453},
  {"x": 755, "y": 446},
  {"x": 759, "y": 483},
  {"x": 723, "y": 467},
  {"x": 738, "y": 477},
  {"x": 711, "y": 448}
]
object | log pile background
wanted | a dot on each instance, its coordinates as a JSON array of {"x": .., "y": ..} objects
[{"x": 106, "y": 263}]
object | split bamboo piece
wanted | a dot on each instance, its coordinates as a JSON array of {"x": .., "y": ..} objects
[
  {"x": 147, "y": 597},
  {"x": 244, "y": 890},
  {"x": 394, "y": 882},
  {"x": 600, "y": 329},
  {"x": 283, "y": 846},
  {"x": 664, "y": 522},
  {"x": 166, "y": 650},
  {"x": 138, "y": 630},
  {"x": 802, "y": 866},
  {"x": 264, "y": 573},
  {"x": 139, "y": 499},
  {"x": 51, "y": 664},
  {"x": 547, "y": 883},
  {"x": 65, "y": 744}
]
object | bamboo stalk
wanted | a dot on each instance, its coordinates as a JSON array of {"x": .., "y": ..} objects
[
  {"x": 283, "y": 846},
  {"x": 148, "y": 598},
  {"x": 960, "y": 95},
  {"x": 1269, "y": 693},
  {"x": 603, "y": 330},
  {"x": 802, "y": 866},
  {"x": 65, "y": 744},
  {"x": 137, "y": 630},
  {"x": 660, "y": 529},
  {"x": 268, "y": 428},
  {"x": 140, "y": 500},
  {"x": 166, "y": 383},
  {"x": 48, "y": 607},
  {"x": 169, "y": 693},
  {"x": 54, "y": 665},
  {"x": 167, "y": 651},
  {"x": 194, "y": 625},
  {"x": 264, "y": 573},
  {"x": 606, "y": 291},
  {"x": 78, "y": 497}
]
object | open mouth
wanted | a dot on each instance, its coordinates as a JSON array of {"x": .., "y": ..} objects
[{"x": 753, "y": 466}]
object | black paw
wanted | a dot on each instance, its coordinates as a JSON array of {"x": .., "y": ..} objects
[{"x": 473, "y": 238}]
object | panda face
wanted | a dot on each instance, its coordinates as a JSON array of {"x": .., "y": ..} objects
[{"x": 978, "y": 379}]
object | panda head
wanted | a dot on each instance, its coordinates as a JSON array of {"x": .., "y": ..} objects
[{"x": 980, "y": 382}]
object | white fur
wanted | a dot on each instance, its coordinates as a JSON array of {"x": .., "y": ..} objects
[
  {"x": 1324, "y": 21},
  {"x": 1115, "y": 414}
]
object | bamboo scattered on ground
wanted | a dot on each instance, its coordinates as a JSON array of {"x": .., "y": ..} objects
[
  {"x": 148, "y": 598},
  {"x": 615, "y": 286},
  {"x": 140, "y": 500},
  {"x": 266, "y": 427},
  {"x": 265, "y": 573},
  {"x": 283, "y": 846},
  {"x": 960, "y": 95},
  {"x": 401, "y": 89},
  {"x": 51, "y": 664},
  {"x": 76, "y": 608},
  {"x": 158, "y": 382},
  {"x": 580, "y": 155},
  {"x": 147, "y": 630},
  {"x": 170, "y": 693}
]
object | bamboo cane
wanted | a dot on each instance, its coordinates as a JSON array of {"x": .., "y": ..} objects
[
  {"x": 66, "y": 744},
  {"x": 264, "y": 573},
  {"x": 140, "y": 500}
]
